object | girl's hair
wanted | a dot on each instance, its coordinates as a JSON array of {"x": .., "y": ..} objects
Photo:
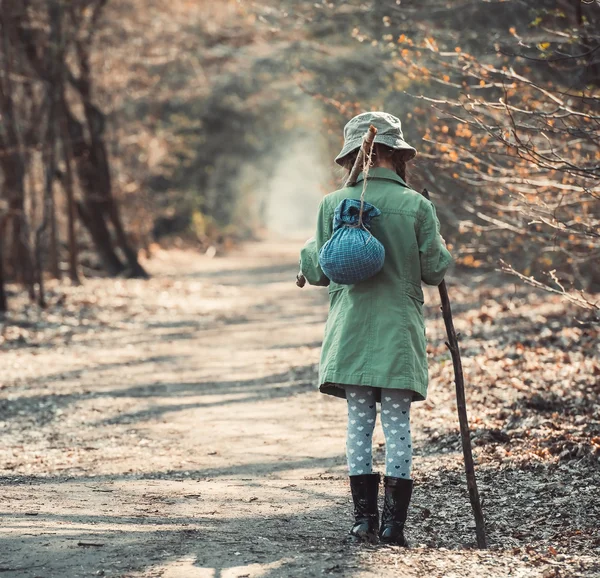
[{"x": 398, "y": 159}]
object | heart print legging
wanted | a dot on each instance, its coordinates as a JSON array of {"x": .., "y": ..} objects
[{"x": 395, "y": 418}]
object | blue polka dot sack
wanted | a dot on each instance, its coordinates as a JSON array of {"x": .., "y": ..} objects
[{"x": 352, "y": 254}]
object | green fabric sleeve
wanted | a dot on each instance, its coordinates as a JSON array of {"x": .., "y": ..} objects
[
  {"x": 309, "y": 256},
  {"x": 435, "y": 257}
]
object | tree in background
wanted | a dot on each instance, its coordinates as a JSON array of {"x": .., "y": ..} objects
[
  {"x": 183, "y": 110},
  {"x": 3, "y": 216},
  {"x": 501, "y": 98},
  {"x": 13, "y": 139},
  {"x": 197, "y": 114},
  {"x": 519, "y": 131},
  {"x": 53, "y": 131}
]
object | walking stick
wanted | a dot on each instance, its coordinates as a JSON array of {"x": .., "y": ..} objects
[{"x": 461, "y": 405}]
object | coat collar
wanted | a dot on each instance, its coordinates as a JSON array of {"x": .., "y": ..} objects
[{"x": 381, "y": 173}]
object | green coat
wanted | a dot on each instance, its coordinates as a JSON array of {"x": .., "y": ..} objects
[{"x": 375, "y": 331}]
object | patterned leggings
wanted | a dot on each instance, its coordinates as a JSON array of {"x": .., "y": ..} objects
[{"x": 395, "y": 418}]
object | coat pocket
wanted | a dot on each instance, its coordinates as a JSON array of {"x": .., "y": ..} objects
[
  {"x": 414, "y": 292},
  {"x": 336, "y": 298},
  {"x": 415, "y": 296}
]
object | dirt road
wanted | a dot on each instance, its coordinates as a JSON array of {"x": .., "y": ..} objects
[{"x": 172, "y": 428}]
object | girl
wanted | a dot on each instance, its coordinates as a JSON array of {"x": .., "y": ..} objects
[{"x": 374, "y": 349}]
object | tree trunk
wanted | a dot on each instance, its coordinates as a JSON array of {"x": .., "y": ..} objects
[
  {"x": 99, "y": 204},
  {"x": 71, "y": 207},
  {"x": 93, "y": 164},
  {"x": 20, "y": 261},
  {"x": 93, "y": 208},
  {"x": 99, "y": 160},
  {"x": 92, "y": 217},
  {"x": 135, "y": 269},
  {"x": 54, "y": 252},
  {"x": 49, "y": 154},
  {"x": 3, "y": 300},
  {"x": 55, "y": 86},
  {"x": 12, "y": 161},
  {"x": 88, "y": 148}
]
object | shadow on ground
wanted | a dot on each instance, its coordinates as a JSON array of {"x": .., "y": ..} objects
[{"x": 182, "y": 528}]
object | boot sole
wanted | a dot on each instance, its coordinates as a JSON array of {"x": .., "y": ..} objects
[
  {"x": 385, "y": 542},
  {"x": 368, "y": 539}
]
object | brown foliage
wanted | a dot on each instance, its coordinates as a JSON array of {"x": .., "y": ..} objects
[{"x": 520, "y": 132}]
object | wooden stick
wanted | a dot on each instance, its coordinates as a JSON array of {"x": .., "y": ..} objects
[
  {"x": 461, "y": 405},
  {"x": 360, "y": 157},
  {"x": 352, "y": 177}
]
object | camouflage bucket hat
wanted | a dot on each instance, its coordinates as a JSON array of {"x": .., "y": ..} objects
[{"x": 389, "y": 133}]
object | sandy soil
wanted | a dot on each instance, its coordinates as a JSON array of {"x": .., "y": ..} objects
[{"x": 172, "y": 428}]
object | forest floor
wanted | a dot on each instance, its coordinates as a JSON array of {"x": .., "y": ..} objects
[{"x": 172, "y": 428}]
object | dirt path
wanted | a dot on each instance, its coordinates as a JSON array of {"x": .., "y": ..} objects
[{"x": 162, "y": 428}]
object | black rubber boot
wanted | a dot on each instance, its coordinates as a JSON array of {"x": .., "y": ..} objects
[
  {"x": 366, "y": 513},
  {"x": 395, "y": 509}
]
